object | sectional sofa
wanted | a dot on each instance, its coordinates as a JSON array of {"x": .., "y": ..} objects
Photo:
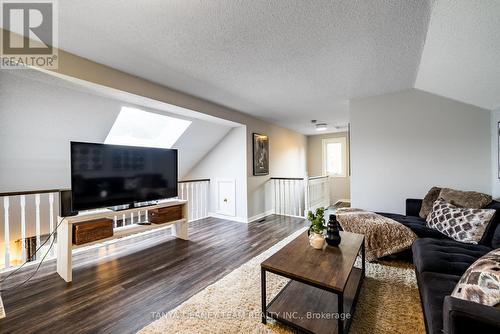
[{"x": 439, "y": 264}]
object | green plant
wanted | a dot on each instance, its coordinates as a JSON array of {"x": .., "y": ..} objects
[{"x": 317, "y": 220}]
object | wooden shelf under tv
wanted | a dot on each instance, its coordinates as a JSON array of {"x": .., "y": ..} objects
[{"x": 65, "y": 244}]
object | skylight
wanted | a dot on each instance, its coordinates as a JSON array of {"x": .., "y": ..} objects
[{"x": 135, "y": 127}]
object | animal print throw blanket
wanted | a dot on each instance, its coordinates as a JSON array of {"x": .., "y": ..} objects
[{"x": 383, "y": 236}]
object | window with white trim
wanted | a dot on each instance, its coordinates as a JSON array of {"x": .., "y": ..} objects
[{"x": 335, "y": 157}]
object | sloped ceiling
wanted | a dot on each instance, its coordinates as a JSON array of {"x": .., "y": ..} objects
[
  {"x": 283, "y": 61},
  {"x": 461, "y": 58},
  {"x": 41, "y": 114}
]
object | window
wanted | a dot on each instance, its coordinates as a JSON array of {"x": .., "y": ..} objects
[
  {"x": 135, "y": 127},
  {"x": 335, "y": 157}
]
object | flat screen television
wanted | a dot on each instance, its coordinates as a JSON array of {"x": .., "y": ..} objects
[{"x": 113, "y": 175}]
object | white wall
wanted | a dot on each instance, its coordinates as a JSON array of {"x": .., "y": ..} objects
[
  {"x": 404, "y": 143},
  {"x": 495, "y": 181},
  {"x": 227, "y": 160},
  {"x": 38, "y": 120},
  {"x": 340, "y": 187}
]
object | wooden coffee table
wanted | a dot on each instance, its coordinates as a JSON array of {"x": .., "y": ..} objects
[{"x": 324, "y": 286}]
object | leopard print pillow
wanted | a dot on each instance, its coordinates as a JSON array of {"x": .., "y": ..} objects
[
  {"x": 481, "y": 282},
  {"x": 461, "y": 224}
]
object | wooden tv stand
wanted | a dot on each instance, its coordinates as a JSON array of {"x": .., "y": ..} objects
[{"x": 65, "y": 244}]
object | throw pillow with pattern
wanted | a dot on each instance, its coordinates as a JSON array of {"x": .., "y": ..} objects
[
  {"x": 481, "y": 281},
  {"x": 462, "y": 224}
]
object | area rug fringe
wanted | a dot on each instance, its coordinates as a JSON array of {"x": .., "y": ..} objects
[{"x": 388, "y": 302}]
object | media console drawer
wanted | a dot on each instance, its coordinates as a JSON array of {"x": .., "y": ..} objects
[
  {"x": 166, "y": 214},
  {"x": 92, "y": 230}
]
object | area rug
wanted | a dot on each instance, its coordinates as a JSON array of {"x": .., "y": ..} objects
[{"x": 388, "y": 302}]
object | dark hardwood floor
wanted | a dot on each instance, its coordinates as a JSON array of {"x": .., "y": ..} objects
[{"x": 117, "y": 288}]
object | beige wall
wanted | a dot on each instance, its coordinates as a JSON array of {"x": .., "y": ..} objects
[
  {"x": 287, "y": 158},
  {"x": 287, "y": 148},
  {"x": 339, "y": 186}
]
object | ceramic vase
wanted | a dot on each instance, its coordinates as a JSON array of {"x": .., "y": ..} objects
[{"x": 316, "y": 240}]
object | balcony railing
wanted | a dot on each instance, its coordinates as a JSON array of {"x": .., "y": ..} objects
[
  {"x": 196, "y": 192},
  {"x": 296, "y": 196}
]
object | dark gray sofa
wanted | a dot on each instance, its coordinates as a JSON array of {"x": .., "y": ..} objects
[{"x": 439, "y": 263}]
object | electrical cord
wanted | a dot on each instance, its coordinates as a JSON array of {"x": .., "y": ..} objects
[{"x": 31, "y": 259}]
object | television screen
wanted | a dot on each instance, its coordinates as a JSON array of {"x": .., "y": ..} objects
[{"x": 111, "y": 175}]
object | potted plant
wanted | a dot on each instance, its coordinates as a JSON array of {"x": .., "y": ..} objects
[{"x": 317, "y": 229}]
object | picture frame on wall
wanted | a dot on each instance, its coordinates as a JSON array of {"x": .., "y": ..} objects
[{"x": 260, "y": 154}]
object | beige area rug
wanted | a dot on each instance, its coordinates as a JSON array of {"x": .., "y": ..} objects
[{"x": 388, "y": 302}]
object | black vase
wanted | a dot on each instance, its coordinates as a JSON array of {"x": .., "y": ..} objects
[{"x": 333, "y": 231}]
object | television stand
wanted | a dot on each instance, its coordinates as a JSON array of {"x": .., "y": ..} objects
[
  {"x": 117, "y": 208},
  {"x": 65, "y": 244},
  {"x": 132, "y": 206}
]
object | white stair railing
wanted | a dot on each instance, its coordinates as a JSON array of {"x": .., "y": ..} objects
[
  {"x": 317, "y": 193},
  {"x": 196, "y": 192},
  {"x": 288, "y": 196},
  {"x": 296, "y": 196},
  {"x": 28, "y": 219}
]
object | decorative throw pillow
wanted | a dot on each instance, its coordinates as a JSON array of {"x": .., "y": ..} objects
[
  {"x": 462, "y": 224},
  {"x": 481, "y": 281},
  {"x": 465, "y": 199},
  {"x": 429, "y": 199}
]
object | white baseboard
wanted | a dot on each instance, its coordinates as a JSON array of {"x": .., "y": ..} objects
[
  {"x": 261, "y": 215},
  {"x": 234, "y": 219},
  {"x": 2, "y": 310}
]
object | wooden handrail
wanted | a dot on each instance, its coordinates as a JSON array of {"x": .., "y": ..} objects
[
  {"x": 32, "y": 192},
  {"x": 318, "y": 177},
  {"x": 198, "y": 180},
  {"x": 287, "y": 178}
]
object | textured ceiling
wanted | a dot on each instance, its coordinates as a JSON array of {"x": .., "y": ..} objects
[
  {"x": 283, "y": 61},
  {"x": 461, "y": 58}
]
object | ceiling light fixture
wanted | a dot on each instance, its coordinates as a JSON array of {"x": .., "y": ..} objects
[{"x": 321, "y": 127}]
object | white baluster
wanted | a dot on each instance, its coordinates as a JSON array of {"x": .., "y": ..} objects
[
  {"x": 6, "y": 205},
  {"x": 207, "y": 197},
  {"x": 131, "y": 218},
  {"x": 22, "y": 200},
  {"x": 201, "y": 195},
  {"x": 124, "y": 220},
  {"x": 300, "y": 185},
  {"x": 306, "y": 195},
  {"x": 51, "y": 221},
  {"x": 199, "y": 199},
  {"x": 37, "y": 221},
  {"x": 286, "y": 197},
  {"x": 294, "y": 197},
  {"x": 115, "y": 221},
  {"x": 275, "y": 186},
  {"x": 139, "y": 217},
  {"x": 147, "y": 217},
  {"x": 191, "y": 201}
]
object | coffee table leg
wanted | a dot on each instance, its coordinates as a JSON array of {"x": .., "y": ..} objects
[
  {"x": 340, "y": 299},
  {"x": 363, "y": 258},
  {"x": 263, "y": 294}
]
